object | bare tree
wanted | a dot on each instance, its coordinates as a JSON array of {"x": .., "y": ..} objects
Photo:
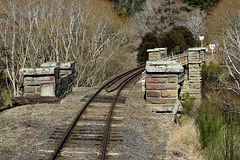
[
  {"x": 229, "y": 47},
  {"x": 195, "y": 24},
  {"x": 87, "y": 32},
  {"x": 141, "y": 18}
]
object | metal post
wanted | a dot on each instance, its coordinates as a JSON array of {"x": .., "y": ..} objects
[{"x": 201, "y": 39}]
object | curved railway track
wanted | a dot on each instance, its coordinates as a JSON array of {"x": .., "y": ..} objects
[{"x": 89, "y": 134}]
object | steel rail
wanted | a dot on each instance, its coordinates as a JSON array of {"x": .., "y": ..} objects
[
  {"x": 111, "y": 111},
  {"x": 143, "y": 66},
  {"x": 67, "y": 133}
]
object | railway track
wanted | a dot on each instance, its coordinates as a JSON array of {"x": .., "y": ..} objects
[{"x": 94, "y": 130}]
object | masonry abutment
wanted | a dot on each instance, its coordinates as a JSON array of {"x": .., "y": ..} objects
[
  {"x": 196, "y": 57},
  {"x": 157, "y": 54},
  {"x": 162, "y": 78},
  {"x": 52, "y": 79}
]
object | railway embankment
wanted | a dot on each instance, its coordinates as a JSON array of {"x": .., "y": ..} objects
[{"x": 26, "y": 130}]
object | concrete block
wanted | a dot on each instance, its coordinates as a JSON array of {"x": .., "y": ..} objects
[
  {"x": 156, "y": 75},
  {"x": 161, "y": 100},
  {"x": 195, "y": 86},
  {"x": 47, "y": 82},
  {"x": 156, "y": 80},
  {"x": 161, "y": 86},
  {"x": 50, "y": 64},
  {"x": 164, "y": 67},
  {"x": 31, "y": 81},
  {"x": 160, "y": 107},
  {"x": 165, "y": 94},
  {"x": 199, "y": 81},
  {"x": 31, "y": 94},
  {"x": 195, "y": 74},
  {"x": 194, "y": 57},
  {"x": 65, "y": 72},
  {"x": 29, "y": 89},
  {"x": 48, "y": 90},
  {"x": 67, "y": 65},
  {"x": 194, "y": 61},
  {"x": 40, "y": 71},
  {"x": 153, "y": 93},
  {"x": 172, "y": 80},
  {"x": 193, "y": 66},
  {"x": 157, "y": 50},
  {"x": 169, "y": 93},
  {"x": 46, "y": 78},
  {"x": 153, "y": 54},
  {"x": 194, "y": 70}
]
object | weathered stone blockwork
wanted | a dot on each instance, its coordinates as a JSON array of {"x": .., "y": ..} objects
[
  {"x": 162, "y": 85},
  {"x": 52, "y": 79},
  {"x": 196, "y": 56},
  {"x": 157, "y": 54},
  {"x": 66, "y": 82},
  {"x": 163, "y": 79}
]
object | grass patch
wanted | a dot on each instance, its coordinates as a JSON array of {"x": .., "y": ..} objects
[
  {"x": 219, "y": 135},
  {"x": 6, "y": 97},
  {"x": 187, "y": 102},
  {"x": 186, "y": 139}
]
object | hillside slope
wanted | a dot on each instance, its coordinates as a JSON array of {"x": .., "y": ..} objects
[{"x": 161, "y": 15}]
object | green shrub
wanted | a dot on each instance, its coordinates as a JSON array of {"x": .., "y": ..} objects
[
  {"x": 185, "y": 9},
  {"x": 187, "y": 103},
  {"x": 209, "y": 125},
  {"x": 149, "y": 41},
  {"x": 211, "y": 74},
  {"x": 218, "y": 136},
  {"x": 177, "y": 40},
  {"x": 6, "y": 97},
  {"x": 203, "y": 4},
  {"x": 128, "y": 7}
]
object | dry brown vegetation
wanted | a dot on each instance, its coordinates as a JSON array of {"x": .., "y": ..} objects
[
  {"x": 86, "y": 31},
  {"x": 162, "y": 15},
  {"x": 185, "y": 139},
  {"x": 218, "y": 18},
  {"x": 224, "y": 29}
]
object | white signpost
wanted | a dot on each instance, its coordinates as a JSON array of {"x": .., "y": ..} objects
[
  {"x": 201, "y": 39},
  {"x": 212, "y": 46}
]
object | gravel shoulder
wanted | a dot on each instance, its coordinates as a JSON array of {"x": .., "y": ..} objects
[{"x": 24, "y": 130}]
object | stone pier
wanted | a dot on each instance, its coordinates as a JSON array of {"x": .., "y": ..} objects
[
  {"x": 196, "y": 57},
  {"x": 51, "y": 79},
  {"x": 157, "y": 54},
  {"x": 162, "y": 84}
]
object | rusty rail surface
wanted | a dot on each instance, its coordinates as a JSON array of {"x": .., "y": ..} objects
[
  {"x": 103, "y": 156},
  {"x": 121, "y": 81}
]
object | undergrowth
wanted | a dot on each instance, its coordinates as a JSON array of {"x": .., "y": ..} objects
[
  {"x": 219, "y": 135},
  {"x": 187, "y": 102},
  {"x": 217, "y": 122}
]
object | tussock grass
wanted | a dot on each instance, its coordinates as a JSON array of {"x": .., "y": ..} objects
[
  {"x": 186, "y": 136},
  {"x": 219, "y": 135}
]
